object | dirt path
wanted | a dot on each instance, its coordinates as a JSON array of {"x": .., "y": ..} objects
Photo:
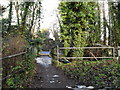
[{"x": 50, "y": 77}]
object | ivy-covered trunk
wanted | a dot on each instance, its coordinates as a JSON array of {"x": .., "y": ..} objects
[{"x": 77, "y": 19}]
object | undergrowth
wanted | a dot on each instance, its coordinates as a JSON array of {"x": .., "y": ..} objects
[
  {"x": 21, "y": 79},
  {"x": 20, "y": 69},
  {"x": 104, "y": 73}
]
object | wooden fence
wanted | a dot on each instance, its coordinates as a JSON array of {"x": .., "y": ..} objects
[
  {"x": 18, "y": 54},
  {"x": 63, "y": 48}
]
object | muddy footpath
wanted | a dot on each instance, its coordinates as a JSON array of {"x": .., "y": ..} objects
[{"x": 48, "y": 76}]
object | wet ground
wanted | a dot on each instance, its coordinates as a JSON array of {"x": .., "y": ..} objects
[{"x": 48, "y": 76}]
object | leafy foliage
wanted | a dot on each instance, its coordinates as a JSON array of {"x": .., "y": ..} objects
[
  {"x": 114, "y": 27},
  {"x": 77, "y": 19},
  {"x": 20, "y": 38},
  {"x": 100, "y": 74}
]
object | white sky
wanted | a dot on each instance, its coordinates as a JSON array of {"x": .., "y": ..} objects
[
  {"x": 4, "y": 2},
  {"x": 48, "y": 15},
  {"x": 49, "y": 8}
]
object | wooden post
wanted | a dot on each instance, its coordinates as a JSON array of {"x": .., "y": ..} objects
[
  {"x": 57, "y": 52},
  {"x": 114, "y": 53},
  {"x": 118, "y": 55}
]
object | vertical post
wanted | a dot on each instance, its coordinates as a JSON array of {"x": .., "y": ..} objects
[
  {"x": 114, "y": 52},
  {"x": 57, "y": 52},
  {"x": 118, "y": 55}
]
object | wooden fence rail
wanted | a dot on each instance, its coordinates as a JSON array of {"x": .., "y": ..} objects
[
  {"x": 83, "y": 57},
  {"x": 84, "y": 47},
  {"x": 12, "y": 55}
]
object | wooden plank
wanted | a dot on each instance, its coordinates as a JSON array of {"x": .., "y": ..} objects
[
  {"x": 83, "y": 47},
  {"x": 84, "y": 57}
]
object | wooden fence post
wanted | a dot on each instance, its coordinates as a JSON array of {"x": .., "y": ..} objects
[
  {"x": 57, "y": 52},
  {"x": 118, "y": 54},
  {"x": 114, "y": 52}
]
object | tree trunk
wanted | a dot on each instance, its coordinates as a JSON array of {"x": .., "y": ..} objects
[
  {"x": 32, "y": 21},
  {"x": 17, "y": 13},
  {"x": 104, "y": 25},
  {"x": 10, "y": 17},
  {"x": 23, "y": 21}
]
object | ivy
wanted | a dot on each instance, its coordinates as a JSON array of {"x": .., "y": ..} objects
[{"x": 77, "y": 18}]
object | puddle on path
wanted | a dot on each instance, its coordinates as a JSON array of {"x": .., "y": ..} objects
[
  {"x": 55, "y": 76},
  {"x": 44, "y": 52},
  {"x": 44, "y": 60}
]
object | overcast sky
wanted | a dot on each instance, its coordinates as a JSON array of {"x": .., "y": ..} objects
[
  {"x": 49, "y": 8},
  {"x": 48, "y": 15}
]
